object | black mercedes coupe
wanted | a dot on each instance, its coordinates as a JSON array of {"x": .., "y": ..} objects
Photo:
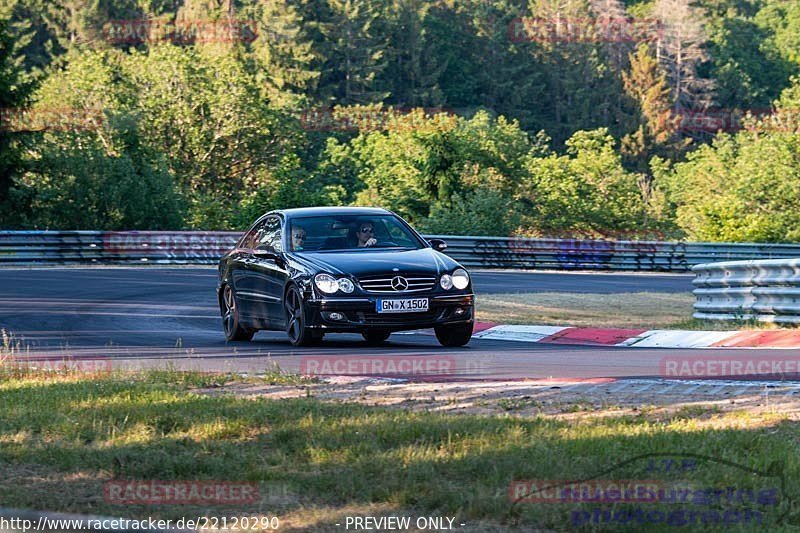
[{"x": 318, "y": 270}]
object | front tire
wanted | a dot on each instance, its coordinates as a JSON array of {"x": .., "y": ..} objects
[
  {"x": 230, "y": 318},
  {"x": 375, "y": 336},
  {"x": 454, "y": 336},
  {"x": 296, "y": 330}
]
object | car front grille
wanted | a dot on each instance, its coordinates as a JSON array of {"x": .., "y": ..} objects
[{"x": 382, "y": 284}]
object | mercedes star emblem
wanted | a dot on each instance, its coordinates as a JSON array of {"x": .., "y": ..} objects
[{"x": 399, "y": 283}]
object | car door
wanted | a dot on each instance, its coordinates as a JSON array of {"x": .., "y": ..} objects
[
  {"x": 239, "y": 261},
  {"x": 267, "y": 272}
]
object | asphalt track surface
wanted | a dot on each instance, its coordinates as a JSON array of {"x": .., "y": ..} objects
[{"x": 144, "y": 317}]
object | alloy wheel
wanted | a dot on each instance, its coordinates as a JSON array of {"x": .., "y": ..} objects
[
  {"x": 294, "y": 316},
  {"x": 234, "y": 331},
  {"x": 229, "y": 317}
]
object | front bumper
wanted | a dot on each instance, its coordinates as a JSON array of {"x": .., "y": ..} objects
[{"x": 359, "y": 313}]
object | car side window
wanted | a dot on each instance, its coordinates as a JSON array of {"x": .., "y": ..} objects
[
  {"x": 268, "y": 235},
  {"x": 248, "y": 240}
]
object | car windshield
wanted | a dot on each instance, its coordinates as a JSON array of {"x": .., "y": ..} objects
[{"x": 350, "y": 232}]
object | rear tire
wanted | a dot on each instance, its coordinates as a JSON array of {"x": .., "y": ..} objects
[
  {"x": 453, "y": 336},
  {"x": 375, "y": 336},
  {"x": 298, "y": 333},
  {"x": 230, "y": 318}
]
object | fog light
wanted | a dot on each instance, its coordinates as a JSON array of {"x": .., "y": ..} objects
[
  {"x": 336, "y": 316},
  {"x": 460, "y": 311}
]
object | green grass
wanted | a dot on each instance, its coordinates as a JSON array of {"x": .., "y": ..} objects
[
  {"x": 276, "y": 376},
  {"x": 515, "y": 404},
  {"x": 632, "y": 310},
  {"x": 62, "y": 437}
]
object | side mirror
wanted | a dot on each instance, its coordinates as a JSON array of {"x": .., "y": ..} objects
[{"x": 438, "y": 244}]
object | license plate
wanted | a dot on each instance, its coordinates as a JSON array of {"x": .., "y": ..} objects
[{"x": 410, "y": 305}]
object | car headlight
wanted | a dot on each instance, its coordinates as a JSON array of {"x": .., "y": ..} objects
[
  {"x": 460, "y": 278},
  {"x": 326, "y": 283},
  {"x": 345, "y": 285},
  {"x": 446, "y": 282}
]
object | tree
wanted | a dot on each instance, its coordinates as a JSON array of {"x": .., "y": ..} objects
[
  {"x": 782, "y": 20},
  {"x": 414, "y": 70},
  {"x": 15, "y": 87},
  {"x": 81, "y": 23},
  {"x": 198, "y": 113},
  {"x": 283, "y": 52},
  {"x": 743, "y": 187},
  {"x": 95, "y": 173},
  {"x": 609, "y": 15},
  {"x": 748, "y": 70},
  {"x": 587, "y": 190},
  {"x": 74, "y": 183},
  {"x": 680, "y": 50},
  {"x": 481, "y": 212},
  {"x": 204, "y": 111},
  {"x": 509, "y": 80},
  {"x": 352, "y": 49},
  {"x": 580, "y": 87},
  {"x": 422, "y": 161},
  {"x": 656, "y": 128},
  {"x": 454, "y": 41}
]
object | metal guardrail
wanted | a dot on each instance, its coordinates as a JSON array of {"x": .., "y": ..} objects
[
  {"x": 767, "y": 291},
  {"x": 575, "y": 254},
  {"x": 205, "y": 247},
  {"x": 108, "y": 247}
]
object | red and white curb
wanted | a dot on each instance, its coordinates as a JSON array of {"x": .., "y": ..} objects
[{"x": 641, "y": 338}]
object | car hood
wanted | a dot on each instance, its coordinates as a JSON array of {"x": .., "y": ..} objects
[{"x": 371, "y": 262}]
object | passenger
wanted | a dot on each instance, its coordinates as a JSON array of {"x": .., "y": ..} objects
[{"x": 298, "y": 238}]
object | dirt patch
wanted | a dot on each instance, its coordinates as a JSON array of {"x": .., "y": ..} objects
[{"x": 653, "y": 399}]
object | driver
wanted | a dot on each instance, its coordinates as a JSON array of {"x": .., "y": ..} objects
[{"x": 365, "y": 234}]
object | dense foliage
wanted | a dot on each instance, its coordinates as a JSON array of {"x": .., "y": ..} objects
[
  {"x": 465, "y": 117},
  {"x": 744, "y": 187}
]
